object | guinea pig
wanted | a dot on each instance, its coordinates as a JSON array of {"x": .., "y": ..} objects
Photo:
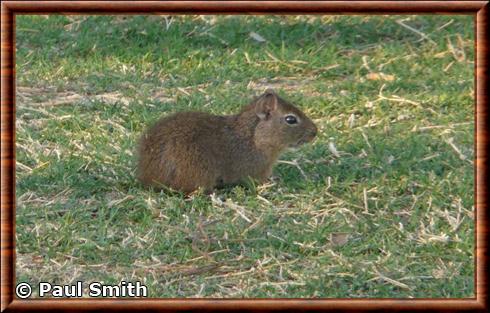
[{"x": 190, "y": 150}]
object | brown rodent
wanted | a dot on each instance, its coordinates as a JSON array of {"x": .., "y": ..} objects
[{"x": 188, "y": 150}]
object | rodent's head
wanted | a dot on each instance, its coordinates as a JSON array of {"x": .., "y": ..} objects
[{"x": 281, "y": 125}]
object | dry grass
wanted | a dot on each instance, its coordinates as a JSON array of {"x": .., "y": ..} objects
[{"x": 380, "y": 205}]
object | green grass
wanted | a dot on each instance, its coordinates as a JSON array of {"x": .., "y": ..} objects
[{"x": 390, "y": 216}]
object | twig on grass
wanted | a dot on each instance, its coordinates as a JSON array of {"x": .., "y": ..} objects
[
  {"x": 168, "y": 21},
  {"x": 251, "y": 270},
  {"x": 390, "y": 280},
  {"x": 278, "y": 284},
  {"x": 365, "y": 63},
  {"x": 240, "y": 210},
  {"x": 259, "y": 219},
  {"x": 209, "y": 253},
  {"x": 448, "y": 66},
  {"x": 366, "y": 139},
  {"x": 445, "y": 25},
  {"x": 366, "y": 207},
  {"x": 333, "y": 149},
  {"x": 418, "y": 32},
  {"x": 337, "y": 198},
  {"x": 23, "y": 167},
  {"x": 424, "y": 128},
  {"x": 200, "y": 269},
  {"x": 458, "y": 54},
  {"x": 294, "y": 163},
  {"x": 394, "y": 98},
  {"x": 460, "y": 154}
]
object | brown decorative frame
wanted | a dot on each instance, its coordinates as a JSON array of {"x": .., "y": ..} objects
[{"x": 9, "y": 9}]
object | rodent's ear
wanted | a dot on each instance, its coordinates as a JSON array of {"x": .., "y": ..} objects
[
  {"x": 269, "y": 91},
  {"x": 266, "y": 104}
]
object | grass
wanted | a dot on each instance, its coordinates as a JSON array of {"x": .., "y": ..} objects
[{"x": 380, "y": 205}]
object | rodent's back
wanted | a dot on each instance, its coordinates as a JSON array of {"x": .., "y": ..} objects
[
  {"x": 168, "y": 149},
  {"x": 189, "y": 150}
]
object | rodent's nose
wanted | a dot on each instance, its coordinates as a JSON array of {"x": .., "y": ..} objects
[{"x": 314, "y": 131}]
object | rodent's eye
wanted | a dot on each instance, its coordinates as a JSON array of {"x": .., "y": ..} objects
[{"x": 291, "y": 119}]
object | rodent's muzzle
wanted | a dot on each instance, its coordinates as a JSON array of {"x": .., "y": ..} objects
[
  {"x": 308, "y": 136},
  {"x": 311, "y": 135}
]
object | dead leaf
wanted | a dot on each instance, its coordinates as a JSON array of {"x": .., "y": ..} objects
[
  {"x": 333, "y": 149},
  {"x": 380, "y": 76},
  {"x": 339, "y": 239},
  {"x": 257, "y": 37},
  {"x": 440, "y": 54}
]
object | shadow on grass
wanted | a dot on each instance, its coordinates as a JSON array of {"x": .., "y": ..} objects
[
  {"x": 408, "y": 155},
  {"x": 112, "y": 35},
  {"x": 389, "y": 158}
]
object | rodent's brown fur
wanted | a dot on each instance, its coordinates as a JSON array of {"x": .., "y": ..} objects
[{"x": 188, "y": 150}]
